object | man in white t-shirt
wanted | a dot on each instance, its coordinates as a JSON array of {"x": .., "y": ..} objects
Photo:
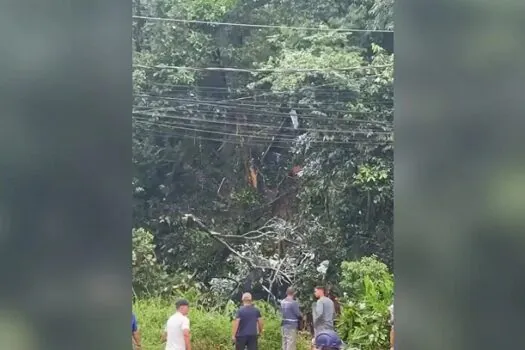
[{"x": 177, "y": 331}]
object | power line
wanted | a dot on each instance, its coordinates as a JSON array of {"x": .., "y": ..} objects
[
  {"x": 262, "y": 126},
  {"x": 225, "y": 91},
  {"x": 233, "y": 103},
  {"x": 262, "y": 70},
  {"x": 266, "y": 137},
  {"x": 272, "y": 93},
  {"x": 349, "y": 120},
  {"x": 276, "y": 143},
  {"x": 247, "y": 124},
  {"x": 226, "y": 106},
  {"x": 256, "y": 116},
  {"x": 268, "y": 26},
  {"x": 243, "y": 89}
]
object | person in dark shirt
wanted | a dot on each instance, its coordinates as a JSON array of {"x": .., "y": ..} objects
[{"x": 247, "y": 325}]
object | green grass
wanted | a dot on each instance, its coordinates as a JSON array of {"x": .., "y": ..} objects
[{"x": 211, "y": 329}]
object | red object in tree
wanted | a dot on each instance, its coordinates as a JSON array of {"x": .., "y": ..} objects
[{"x": 295, "y": 171}]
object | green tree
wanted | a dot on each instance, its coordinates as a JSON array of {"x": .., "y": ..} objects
[{"x": 221, "y": 145}]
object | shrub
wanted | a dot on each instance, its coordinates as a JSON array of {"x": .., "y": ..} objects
[
  {"x": 211, "y": 329},
  {"x": 150, "y": 276},
  {"x": 353, "y": 274},
  {"x": 369, "y": 287}
]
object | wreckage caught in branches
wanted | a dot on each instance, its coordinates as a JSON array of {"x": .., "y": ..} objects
[{"x": 272, "y": 269}]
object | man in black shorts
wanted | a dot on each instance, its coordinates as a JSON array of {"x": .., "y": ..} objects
[{"x": 247, "y": 325}]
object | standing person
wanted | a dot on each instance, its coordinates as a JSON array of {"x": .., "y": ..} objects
[
  {"x": 247, "y": 325},
  {"x": 135, "y": 334},
  {"x": 291, "y": 315},
  {"x": 323, "y": 313},
  {"x": 177, "y": 331}
]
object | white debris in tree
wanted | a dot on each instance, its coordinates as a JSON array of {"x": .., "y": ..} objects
[
  {"x": 295, "y": 120},
  {"x": 323, "y": 267},
  {"x": 273, "y": 262}
]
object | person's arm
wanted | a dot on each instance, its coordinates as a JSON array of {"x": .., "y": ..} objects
[
  {"x": 318, "y": 312},
  {"x": 235, "y": 328},
  {"x": 136, "y": 338},
  {"x": 164, "y": 335},
  {"x": 186, "y": 333},
  {"x": 260, "y": 322},
  {"x": 235, "y": 325}
]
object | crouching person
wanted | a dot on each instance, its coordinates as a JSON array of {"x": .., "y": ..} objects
[{"x": 328, "y": 340}]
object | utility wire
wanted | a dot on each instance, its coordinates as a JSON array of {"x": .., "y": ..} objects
[
  {"x": 257, "y": 114},
  {"x": 244, "y": 142},
  {"x": 179, "y": 121},
  {"x": 301, "y": 90},
  {"x": 185, "y": 89},
  {"x": 265, "y": 137},
  {"x": 257, "y": 106},
  {"x": 243, "y": 90},
  {"x": 262, "y": 70},
  {"x": 189, "y": 21},
  {"x": 226, "y": 106},
  {"x": 262, "y": 143},
  {"x": 246, "y": 124}
]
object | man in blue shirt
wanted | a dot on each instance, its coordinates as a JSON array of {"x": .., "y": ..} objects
[
  {"x": 291, "y": 315},
  {"x": 247, "y": 325},
  {"x": 135, "y": 335}
]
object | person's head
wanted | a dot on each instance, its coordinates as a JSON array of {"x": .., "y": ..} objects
[
  {"x": 290, "y": 292},
  {"x": 182, "y": 306},
  {"x": 246, "y": 298},
  {"x": 319, "y": 292}
]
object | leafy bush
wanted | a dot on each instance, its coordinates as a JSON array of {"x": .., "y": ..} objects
[
  {"x": 353, "y": 274},
  {"x": 369, "y": 288},
  {"x": 150, "y": 276},
  {"x": 211, "y": 329}
]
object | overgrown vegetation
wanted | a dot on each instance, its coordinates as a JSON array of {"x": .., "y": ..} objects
[
  {"x": 263, "y": 156},
  {"x": 211, "y": 328},
  {"x": 368, "y": 290},
  {"x": 366, "y": 286}
]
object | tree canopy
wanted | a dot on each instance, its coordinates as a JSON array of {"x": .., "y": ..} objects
[{"x": 263, "y": 138}]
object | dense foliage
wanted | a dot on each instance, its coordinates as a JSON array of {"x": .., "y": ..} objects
[
  {"x": 262, "y": 155},
  {"x": 262, "y": 158},
  {"x": 368, "y": 290}
]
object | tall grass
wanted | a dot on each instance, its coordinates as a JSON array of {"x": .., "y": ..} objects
[{"x": 211, "y": 329}]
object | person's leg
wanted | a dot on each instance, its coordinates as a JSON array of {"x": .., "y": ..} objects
[
  {"x": 284, "y": 341},
  {"x": 240, "y": 343},
  {"x": 251, "y": 342},
  {"x": 292, "y": 339}
]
